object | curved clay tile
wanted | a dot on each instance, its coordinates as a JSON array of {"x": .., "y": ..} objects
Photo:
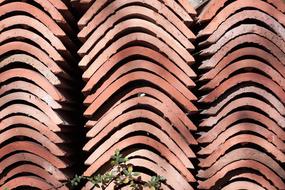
[
  {"x": 64, "y": 9},
  {"x": 234, "y": 117},
  {"x": 35, "y": 160},
  {"x": 31, "y": 61},
  {"x": 228, "y": 71},
  {"x": 242, "y": 185},
  {"x": 152, "y": 4},
  {"x": 42, "y": 94},
  {"x": 147, "y": 91},
  {"x": 116, "y": 24},
  {"x": 182, "y": 125},
  {"x": 146, "y": 164},
  {"x": 166, "y": 98},
  {"x": 96, "y": 102},
  {"x": 49, "y": 8},
  {"x": 34, "y": 88},
  {"x": 226, "y": 34},
  {"x": 31, "y": 181},
  {"x": 37, "y": 39},
  {"x": 30, "y": 98},
  {"x": 245, "y": 102},
  {"x": 146, "y": 66},
  {"x": 136, "y": 25},
  {"x": 243, "y": 30},
  {"x": 108, "y": 54},
  {"x": 247, "y": 127},
  {"x": 36, "y": 136},
  {"x": 35, "y": 52},
  {"x": 133, "y": 93},
  {"x": 101, "y": 131},
  {"x": 34, "y": 148},
  {"x": 143, "y": 127},
  {"x": 253, "y": 14},
  {"x": 33, "y": 11},
  {"x": 272, "y": 100},
  {"x": 63, "y": 18},
  {"x": 257, "y": 179},
  {"x": 32, "y": 123},
  {"x": 40, "y": 15},
  {"x": 143, "y": 20},
  {"x": 187, "y": 6},
  {"x": 239, "y": 53},
  {"x": 221, "y": 62},
  {"x": 168, "y": 69},
  {"x": 214, "y": 6},
  {"x": 237, "y": 5},
  {"x": 139, "y": 76},
  {"x": 37, "y": 78},
  {"x": 58, "y": 4},
  {"x": 245, "y": 39},
  {"x": 240, "y": 154},
  {"x": 157, "y": 94},
  {"x": 158, "y": 160},
  {"x": 115, "y": 5},
  {"x": 37, "y": 26},
  {"x": 185, "y": 72},
  {"x": 241, "y": 78},
  {"x": 242, "y": 16},
  {"x": 269, "y": 174},
  {"x": 31, "y": 169},
  {"x": 241, "y": 139},
  {"x": 29, "y": 111},
  {"x": 98, "y": 161}
]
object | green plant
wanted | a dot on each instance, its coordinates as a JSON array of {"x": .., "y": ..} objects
[
  {"x": 122, "y": 174},
  {"x": 155, "y": 182}
]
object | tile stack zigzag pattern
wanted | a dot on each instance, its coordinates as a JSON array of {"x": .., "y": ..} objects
[
  {"x": 37, "y": 69},
  {"x": 136, "y": 57},
  {"x": 242, "y": 133},
  {"x": 140, "y": 92}
]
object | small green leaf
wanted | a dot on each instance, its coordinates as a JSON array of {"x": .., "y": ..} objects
[
  {"x": 135, "y": 174},
  {"x": 122, "y": 160},
  {"x": 125, "y": 172},
  {"x": 130, "y": 168},
  {"x": 162, "y": 178},
  {"x": 126, "y": 180}
]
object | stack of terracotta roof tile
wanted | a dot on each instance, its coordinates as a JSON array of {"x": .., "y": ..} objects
[
  {"x": 136, "y": 57},
  {"x": 34, "y": 79},
  {"x": 243, "y": 45}
]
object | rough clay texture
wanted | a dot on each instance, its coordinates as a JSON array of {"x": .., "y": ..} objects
[{"x": 196, "y": 96}]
